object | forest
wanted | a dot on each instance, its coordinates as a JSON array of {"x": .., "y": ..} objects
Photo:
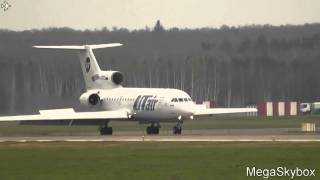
[{"x": 233, "y": 66}]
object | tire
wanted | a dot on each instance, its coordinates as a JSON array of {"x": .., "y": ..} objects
[
  {"x": 102, "y": 131},
  {"x": 152, "y": 130},
  {"x": 106, "y": 131},
  {"x": 109, "y": 131},
  {"x": 177, "y": 130},
  {"x": 155, "y": 130}
]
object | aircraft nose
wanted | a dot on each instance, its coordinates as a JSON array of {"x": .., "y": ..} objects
[{"x": 186, "y": 109}]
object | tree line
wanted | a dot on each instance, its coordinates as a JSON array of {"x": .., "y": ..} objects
[{"x": 233, "y": 66}]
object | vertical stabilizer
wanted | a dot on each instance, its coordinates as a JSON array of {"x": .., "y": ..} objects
[{"x": 89, "y": 65}]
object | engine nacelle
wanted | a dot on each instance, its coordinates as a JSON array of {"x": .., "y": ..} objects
[
  {"x": 107, "y": 79},
  {"x": 117, "y": 78},
  {"x": 90, "y": 99}
]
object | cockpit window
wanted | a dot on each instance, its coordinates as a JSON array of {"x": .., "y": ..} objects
[
  {"x": 180, "y": 99},
  {"x": 185, "y": 99},
  {"x": 174, "y": 100},
  {"x": 189, "y": 99}
]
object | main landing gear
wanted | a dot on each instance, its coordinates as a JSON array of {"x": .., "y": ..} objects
[
  {"x": 177, "y": 129},
  {"x": 105, "y": 129},
  {"x": 153, "y": 128}
]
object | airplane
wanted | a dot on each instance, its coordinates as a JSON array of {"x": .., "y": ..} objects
[{"x": 115, "y": 102}]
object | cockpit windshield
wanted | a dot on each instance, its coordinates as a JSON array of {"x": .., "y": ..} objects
[{"x": 174, "y": 100}]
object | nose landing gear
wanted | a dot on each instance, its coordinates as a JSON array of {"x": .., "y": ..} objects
[
  {"x": 153, "y": 128},
  {"x": 177, "y": 129}
]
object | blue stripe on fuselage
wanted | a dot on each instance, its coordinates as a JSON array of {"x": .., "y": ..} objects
[{"x": 145, "y": 103}]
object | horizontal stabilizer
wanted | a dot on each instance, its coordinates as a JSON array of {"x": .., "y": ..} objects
[{"x": 83, "y": 47}]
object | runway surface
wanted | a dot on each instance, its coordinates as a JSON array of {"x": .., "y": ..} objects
[{"x": 165, "y": 138}]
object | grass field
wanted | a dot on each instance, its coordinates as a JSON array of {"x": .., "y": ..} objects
[
  {"x": 151, "y": 160},
  {"x": 214, "y": 122}
]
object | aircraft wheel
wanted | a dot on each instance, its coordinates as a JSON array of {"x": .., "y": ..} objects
[
  {"x": 177, "y": 130},
  {"x": 155, "y": 130},
  {"x": 109, "y": 131},
  {"x": 152, "y": 130},
  {"x": 149, "y": 130},
  {"x": 106, "y": 131}
]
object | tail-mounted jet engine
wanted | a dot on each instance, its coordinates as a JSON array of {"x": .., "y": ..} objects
[
  {"x": 113, "y": 79},
  {"x": 117, "y": 77},
  {"x": 90, "y": 99}
]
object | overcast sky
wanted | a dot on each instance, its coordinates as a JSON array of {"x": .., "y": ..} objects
[{"x": 137, "y": 14}]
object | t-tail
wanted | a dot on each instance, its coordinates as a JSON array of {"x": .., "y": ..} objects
[{"x": 94, "y": 77}]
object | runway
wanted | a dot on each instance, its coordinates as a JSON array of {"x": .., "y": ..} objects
[{"x": 172, "y": 138}]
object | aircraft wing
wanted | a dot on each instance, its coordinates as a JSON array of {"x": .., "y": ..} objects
[
  {"x": 68, "y": 114},
  {"x": 204, "y": 111}
]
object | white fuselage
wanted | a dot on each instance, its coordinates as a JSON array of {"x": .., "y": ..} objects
[{"x": 151, "y": 104}]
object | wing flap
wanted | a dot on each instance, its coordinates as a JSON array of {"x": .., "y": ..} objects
[
  {"x": 68, "y": 114},
  {"x": 203, "y": 111}
]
